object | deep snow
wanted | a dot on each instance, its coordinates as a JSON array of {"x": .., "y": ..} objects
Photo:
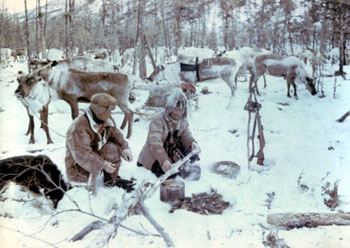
[{"x": 302, "y": 140}]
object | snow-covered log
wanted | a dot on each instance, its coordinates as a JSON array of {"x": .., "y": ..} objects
[{"x": 297, "y": 220}]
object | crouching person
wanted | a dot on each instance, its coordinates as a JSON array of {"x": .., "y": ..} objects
[
  {"x": 169, "y": 137},
  {"x": 94, "y": 144}
]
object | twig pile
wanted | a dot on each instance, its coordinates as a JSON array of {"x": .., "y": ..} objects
[{"x": 203, "y": 203}]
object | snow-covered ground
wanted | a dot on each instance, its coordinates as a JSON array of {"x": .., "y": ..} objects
[{"x": 303, "y": 143}]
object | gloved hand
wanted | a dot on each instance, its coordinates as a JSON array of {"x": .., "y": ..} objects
[
  {"x": 195, "y": 157},
  {"x": 127, "y": 154},
  {"x": 127, "y": 185},
  {"x": 166, "y": 165},
  {"x": 109, "y": 167},
  {"x": 195, "y": 146}
]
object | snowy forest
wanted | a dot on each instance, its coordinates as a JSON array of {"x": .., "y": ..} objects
[
  {"x": 283, "y": 27},
  {"x": 274, "y": 167}
]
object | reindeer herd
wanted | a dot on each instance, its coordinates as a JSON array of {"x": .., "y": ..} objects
[{"x": 76, "y": 79}]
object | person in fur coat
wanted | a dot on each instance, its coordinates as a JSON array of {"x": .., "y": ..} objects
[
  {"x": 168, "y": 129},
  {"x": 94, "y": 144}
]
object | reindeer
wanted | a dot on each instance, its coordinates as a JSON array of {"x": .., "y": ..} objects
[
  {"x": 291, "y": 68},
  {"x": 20, "y": 52},
  {"x": 5, "y": 54},
  {"x": 209, "y": 68},
  {"x": 73, "y": 86},
  {"x": 38, "y": 99},
  {"x": 159, "y": 94},
  {"x": 246, "y": 56}
]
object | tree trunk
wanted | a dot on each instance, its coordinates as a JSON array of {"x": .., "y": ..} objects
[
  {"x": 41, "y": 32},
  {"x": 297, "y": 220},
  {"x": 341, "y": 42},
  {"x": 290, "y": 37},
  {"x": 166, "y": 39},
  {"x": 323, "y": 32},
  {"x": 27, "y": 35},
  {"x": 71, "y": 26},
  {"x": 142, "y": 54},
  {"x": 66, "y": 29},
  {"x": 37, "y": 29},
  {"x": 137, "y": 37},
  {"x": 178, "y": 20},
  {"x": 149, "y": 53}
]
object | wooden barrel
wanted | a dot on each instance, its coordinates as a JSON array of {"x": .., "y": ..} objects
[{"x": 172, "y": 191}]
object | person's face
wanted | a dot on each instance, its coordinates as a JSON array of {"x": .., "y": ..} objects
[
  {"x": 104, "y": 116},
  {"x": 177, "y": 113}
]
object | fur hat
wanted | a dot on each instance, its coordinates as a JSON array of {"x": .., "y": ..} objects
[
  {"x": 176, "y": 99},
  {"x": 102, "y": 102}
]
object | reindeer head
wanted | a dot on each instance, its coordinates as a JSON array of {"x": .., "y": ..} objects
[
  {"x": 310, "y": 86},
  {"x": 156, "y": 74},
  {"x": 26, "y": 83},
  {"x": 303, "y": 76}
]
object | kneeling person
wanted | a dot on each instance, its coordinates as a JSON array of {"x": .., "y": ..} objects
[
  {"x": 169, "y": 137},
  {"x": 94, "y": 144}
]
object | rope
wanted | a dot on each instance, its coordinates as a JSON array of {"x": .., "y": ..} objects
[{"x": 225, "y": 168}]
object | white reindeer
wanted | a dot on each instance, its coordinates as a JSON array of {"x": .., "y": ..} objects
[
  {"x": 291, "y": 68},
  {"x": 209, "y": 68}
]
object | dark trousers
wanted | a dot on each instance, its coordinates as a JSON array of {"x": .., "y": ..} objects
[{"x": 157, "y": 170}]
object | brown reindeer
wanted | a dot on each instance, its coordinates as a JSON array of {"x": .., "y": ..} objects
[
  {"x": 291, "y": 68},
  {"x": 19, "y": 53},
  {"x": 72, "y": 86},
  {"x": 38, "y": 99}
]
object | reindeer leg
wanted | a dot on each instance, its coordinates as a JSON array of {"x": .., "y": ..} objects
[
  {"x": 295, "y": 89},
  {"x": 125, "y": 120},
  {"x": 130, "y": 123},
  {"x": 264, "y": 81},
  {"x": 128, "y": 118},
  {"x": 44, "y": 117},
  {"x": 30, "y": 122},
  {"x": 41, "y": 118},
  {"x": 31, "y": 129},
  {"x": 237, "y": 72},
  {"x": 288, "y": 88},
  {"x": 227, "y": 76},
  {"x": 73, "y": 103},
  {"x": 74, "y": 108}
]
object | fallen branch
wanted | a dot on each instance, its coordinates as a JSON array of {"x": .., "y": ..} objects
[
  {"x": 132, "y": 205},
  {"x": 92, "y": 226},
  {"x": 341, "y": 119},
  {"x": 147, "y": 214},
  {"x": 297, "y": 220}
]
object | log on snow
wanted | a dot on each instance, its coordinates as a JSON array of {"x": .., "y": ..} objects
[
  {"x": 297, "y": 220},
  {"x": 341, "y": 119}
]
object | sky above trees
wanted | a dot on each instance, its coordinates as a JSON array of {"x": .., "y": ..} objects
[{"x": 14, "y": 6}]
